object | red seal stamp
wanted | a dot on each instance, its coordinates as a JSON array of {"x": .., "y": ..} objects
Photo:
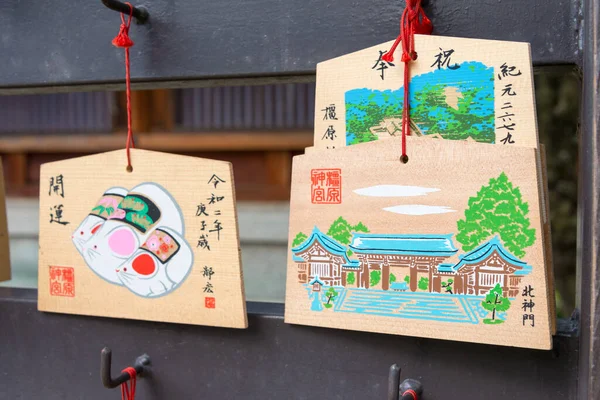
[
  {"x": 62, "y": 281},
  {"x": 209, "y": 302},
  {"x": 326, "y": 186}
]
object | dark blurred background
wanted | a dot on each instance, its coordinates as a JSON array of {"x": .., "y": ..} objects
[{"x": 259, "y": 129}]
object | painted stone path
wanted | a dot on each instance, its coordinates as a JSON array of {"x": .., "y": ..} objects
[{"x": 427, "y": 306}]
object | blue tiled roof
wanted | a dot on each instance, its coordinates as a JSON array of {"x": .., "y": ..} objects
[
  {"x": 353, "y": 264},
  {"x": 446, "y": 268},
  {"x": 297, "y": 258},
  {"x": 328, "y": 243},
  {"x": 426, "y": 245},
  {"x": 316, "y": 279},
  {"x": 485, "y": 250}
]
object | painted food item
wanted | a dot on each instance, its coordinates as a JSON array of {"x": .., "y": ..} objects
[{"x": 159, "y": 266}]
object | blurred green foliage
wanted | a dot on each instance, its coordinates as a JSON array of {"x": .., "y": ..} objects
[{"x": 558, "y": 98}]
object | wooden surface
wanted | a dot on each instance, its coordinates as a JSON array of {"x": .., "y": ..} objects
[
  {"x": 4, "y": 251},
  {"x": 460, "y": 169},
  {"x": 186, "y": 179},
  {"x": 339, "y": 81}
]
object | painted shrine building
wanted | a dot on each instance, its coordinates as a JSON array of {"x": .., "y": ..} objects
[
  {"x": 321, "y": 258},
  {"x": 417, "y": 255},
  {"x": 483, "y": 268},
  {"x": 322, "y": 261}
]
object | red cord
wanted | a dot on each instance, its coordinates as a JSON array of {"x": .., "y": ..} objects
[
  {"x": 128, "y": 391},
  {"x": 413, "y": 21},
  {"x": 123, "y": 40}
]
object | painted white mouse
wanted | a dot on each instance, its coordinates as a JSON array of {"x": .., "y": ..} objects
[
  {"x": 159, "y": 266},
  {"x": 104, "y": 209},
  {"x": 123, "y": 233}
]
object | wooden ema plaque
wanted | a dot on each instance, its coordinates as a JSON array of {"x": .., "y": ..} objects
[
  {"x": 449, "y": 245},
  {"x": 159, "y": 243},
  {"x": 480, "y": 90},
  {"x": 4, "y": 244}
]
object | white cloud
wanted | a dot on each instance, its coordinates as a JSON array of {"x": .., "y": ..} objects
[
  {"x": 395, "y": 191},
  {"x": 419, "y": 209}
]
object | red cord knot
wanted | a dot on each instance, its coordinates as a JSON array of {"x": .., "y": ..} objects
[
  {"x": 388, "y": 57},
  {"x": 424, "y": 26},
  {"x": 406, "y": 57},
  {"x": 413, "y": 21},
  {"x": 122, "y": 39}
]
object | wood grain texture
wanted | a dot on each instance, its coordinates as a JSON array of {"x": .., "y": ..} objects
[
  {"x": 186, "y": 179},
  {"x": 4, "y": 248},
  {"x": 459, "y": 169},
  {"x": 478, "y": 61}
]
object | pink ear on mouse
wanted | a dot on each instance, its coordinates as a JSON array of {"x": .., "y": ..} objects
[{"x": 122, "y": 242}]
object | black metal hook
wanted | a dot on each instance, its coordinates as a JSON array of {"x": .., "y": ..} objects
[
  {"x": 404, "y": 389},
  {"x": 139, "y": 13},
  {"x": 105, "y": 366}
]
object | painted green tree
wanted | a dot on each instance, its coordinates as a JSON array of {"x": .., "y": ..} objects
[
  {"x": 423, "y": 283},
  {"x": 331, "y": 294},
  {"x": 447, "y": 286},
  {"x": 362, "y": 116},
  {"x": 473, "y": 116},
  {"x": 439, "y": 105},
  {"x": 494, "y": 301},
  {"x": 407, "y": 279},
  {"x": 375, "y": 278},
  {"x": 341, "y": 230},
  {"x": 392, "y": 278},
  {"x": 299, "y": 239},
  {"x": 498, "y": 209},
  {"x": 351, "y": 278}
]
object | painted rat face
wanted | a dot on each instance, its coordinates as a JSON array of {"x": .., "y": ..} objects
[
  {"x": 105, "y": 209},
  {"x": 109, "y": 248},
  {"x": 159, "y": 266}
]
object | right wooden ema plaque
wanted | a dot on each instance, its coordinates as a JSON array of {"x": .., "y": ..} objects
[
  {"x": 481, "y": 90},
  {"x": 449, "y": 245}
]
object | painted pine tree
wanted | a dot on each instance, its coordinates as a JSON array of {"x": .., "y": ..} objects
[
  {"x": 498, "y": 209},
  {"x": 494, "y": 301},
  {"x": 299, "y": 239}
]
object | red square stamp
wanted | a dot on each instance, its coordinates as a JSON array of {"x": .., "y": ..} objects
[
  {"x": 326, "y": 186},
  {"x": 62, "y": 281},
  {"x": 209, "y": 302}
]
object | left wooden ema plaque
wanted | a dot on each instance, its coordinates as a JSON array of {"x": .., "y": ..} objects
[
  {"x": 4, "y": 244},
  {"x": 448, "y": 246},
  {"x": 159, "y": 243}
]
